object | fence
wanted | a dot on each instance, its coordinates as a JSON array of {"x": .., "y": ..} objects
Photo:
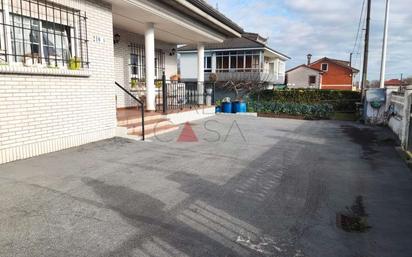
[{"x": 174, "y": 95}]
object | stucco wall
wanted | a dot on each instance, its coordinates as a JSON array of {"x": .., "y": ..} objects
[
  {"x": 40, "y": 114},
  {"x": 299, "y": 78}
]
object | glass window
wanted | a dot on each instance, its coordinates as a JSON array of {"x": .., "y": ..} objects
[
  {"x": 225, "y": 62},
  {"x": 312, "y": 79},
  {"x": 134, "y": 62},
  {"x": 248, "y": 62},
  {"x": 208, "y": 64},
  {"x": 325, "y": 67},
  {"x": 37, "y": 38},
  {"x": 233, "y": 63},
  {"x": 219, "y": 65},
  {"x": 240, "y": 62},
  {"x": 55, "y": 42},
  {"x": 2, "y": 41},
  {"x": 256, "y": 62},
  {"x": 25, "y": 37}
]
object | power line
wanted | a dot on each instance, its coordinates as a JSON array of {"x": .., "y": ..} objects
[
  {"x": 366, "y": 49},
  {"x": 359, "y": 26}
]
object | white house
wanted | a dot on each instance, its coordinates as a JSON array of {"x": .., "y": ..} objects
[
  {"x": 304, "y": 76},
  {"x": 248, "y": 57},
  {"x": 60, "y": 59}
]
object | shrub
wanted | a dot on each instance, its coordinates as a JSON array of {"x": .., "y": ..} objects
[
  {"x": 308, "y": 111},
  {"x": 342, "y": 101}
]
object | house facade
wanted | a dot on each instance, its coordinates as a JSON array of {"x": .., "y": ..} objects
[
  {"x": 60, "y": 59},
  {"x": 245, "y": 58},
  {"x": 336, "y": 74},
  {"x": 304, "y": 76}
]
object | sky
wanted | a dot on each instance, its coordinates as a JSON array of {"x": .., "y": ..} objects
[{"x": 327, "y": 28}]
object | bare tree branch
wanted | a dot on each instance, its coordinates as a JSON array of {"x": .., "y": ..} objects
[{"x": 244, "y": 83}]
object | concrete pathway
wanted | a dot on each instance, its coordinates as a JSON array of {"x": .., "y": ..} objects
[{"x": 248, "y": 187}]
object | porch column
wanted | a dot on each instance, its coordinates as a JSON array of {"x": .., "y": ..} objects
[
  {"x": 200, "y": 72},
  {"x": 150, "y": 67}
]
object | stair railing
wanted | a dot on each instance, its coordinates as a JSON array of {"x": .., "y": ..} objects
[{"x": 140, "y": 102}]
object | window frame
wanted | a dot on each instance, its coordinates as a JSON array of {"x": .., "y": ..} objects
[
  {"x": 239, "y": 61},
  {"x": 208, "y": 64},
  {"x": 310, "y": 81},
  {"x": 67, "y": 26},
  {"x": 138, "y": 52},
  {"x": 327, "y": 66}
]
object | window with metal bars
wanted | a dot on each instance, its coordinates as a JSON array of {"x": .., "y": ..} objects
[
  {"x": 138, "y": 63},
  {"x": 37, "y": 32}
]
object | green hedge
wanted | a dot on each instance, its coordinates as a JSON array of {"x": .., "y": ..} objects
[
  {"x": 308, "y": 111},
  {"x": 342, "y": 101}
]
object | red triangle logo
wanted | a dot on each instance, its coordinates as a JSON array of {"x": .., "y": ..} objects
[{"x": 187, "y": 135}]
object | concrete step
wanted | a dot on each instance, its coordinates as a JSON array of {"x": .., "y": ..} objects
[
  {"x": 135, "y": 119},
  {"x": 151, "y": 124},
  {"x": 156, "y": 131}
]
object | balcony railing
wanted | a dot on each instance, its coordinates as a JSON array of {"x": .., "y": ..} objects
[
  {"x": 255, "y": 75},
  {"x": 176, "y": 96}
]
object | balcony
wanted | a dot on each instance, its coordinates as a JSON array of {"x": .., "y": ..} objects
[{"x": 249, "y": 75}]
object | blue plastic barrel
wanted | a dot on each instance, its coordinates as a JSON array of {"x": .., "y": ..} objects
[
  {"x": 218, "y": 109},
  {"x": 227, "y": 107},
  {"x": 239, "y": 107}
]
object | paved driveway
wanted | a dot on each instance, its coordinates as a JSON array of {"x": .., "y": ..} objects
[{"x": 248, "y": 187}]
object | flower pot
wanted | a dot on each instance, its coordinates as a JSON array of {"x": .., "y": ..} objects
[
  {"x": 239, "y": 107},
  {"x": 227, "y": 107}
]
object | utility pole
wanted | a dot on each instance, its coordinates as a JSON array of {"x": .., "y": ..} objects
[
  {"x": 350, "y": 59},
  {"x": 384, "y": 46},
  {"x": 366, "y": 50}
]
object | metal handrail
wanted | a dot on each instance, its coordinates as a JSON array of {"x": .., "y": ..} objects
[{"x": 141, "y": 103}]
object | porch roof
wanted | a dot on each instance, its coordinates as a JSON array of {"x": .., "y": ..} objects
[
  {"x": 243, "y": 43},
  {"x": 176, "y": 21}
]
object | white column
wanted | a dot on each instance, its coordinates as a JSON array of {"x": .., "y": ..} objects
[
  {"x": 200, "y": 72},
  {"x": 384, "y": 46},
  {"x": 213, "y": 62},
  {"x": 150, "y": 67}
]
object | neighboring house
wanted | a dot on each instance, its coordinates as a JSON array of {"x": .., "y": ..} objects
[
  {"x": 337, "y": 74},
  {"x": 395, "y": 83},
  {"x": 59, "y": 61},
  {"x": 245, "y": 58},
  {"x": 304, "y": 76}
]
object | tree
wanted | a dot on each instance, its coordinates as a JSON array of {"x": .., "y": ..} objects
[
  {"x": 244, "y": 83},
  {"x": 408, "y": 80},
  {"x": 373, "y": 84}
]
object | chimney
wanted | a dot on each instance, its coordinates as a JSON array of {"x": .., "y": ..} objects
[{"x": 309, "y": 58}]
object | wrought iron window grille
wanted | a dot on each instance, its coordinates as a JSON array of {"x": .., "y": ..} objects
[{"x": 38, "y": 32}]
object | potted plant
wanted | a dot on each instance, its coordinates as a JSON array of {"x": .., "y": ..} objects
[
  {"x": 159, "y": 84},
  {"x": 133, "y": 84},
  {"x": 239, "y": 105},
  {"x": 75, "y": 63},
  {"x": 218, "y": 106},
  {"x": 226, "y": 105}
]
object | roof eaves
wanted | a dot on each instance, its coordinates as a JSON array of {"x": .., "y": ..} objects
[
  {"x": 216, "y": 14},
  {"x": 304, "y": 66}
]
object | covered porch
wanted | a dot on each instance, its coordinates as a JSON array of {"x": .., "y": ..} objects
[{"x": 146, "y": 35}]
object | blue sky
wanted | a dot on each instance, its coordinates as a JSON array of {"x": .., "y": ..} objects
[{"x": 326, "y": 28}]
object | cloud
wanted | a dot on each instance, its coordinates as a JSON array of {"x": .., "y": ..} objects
[{"x": 326, "y": 28}]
